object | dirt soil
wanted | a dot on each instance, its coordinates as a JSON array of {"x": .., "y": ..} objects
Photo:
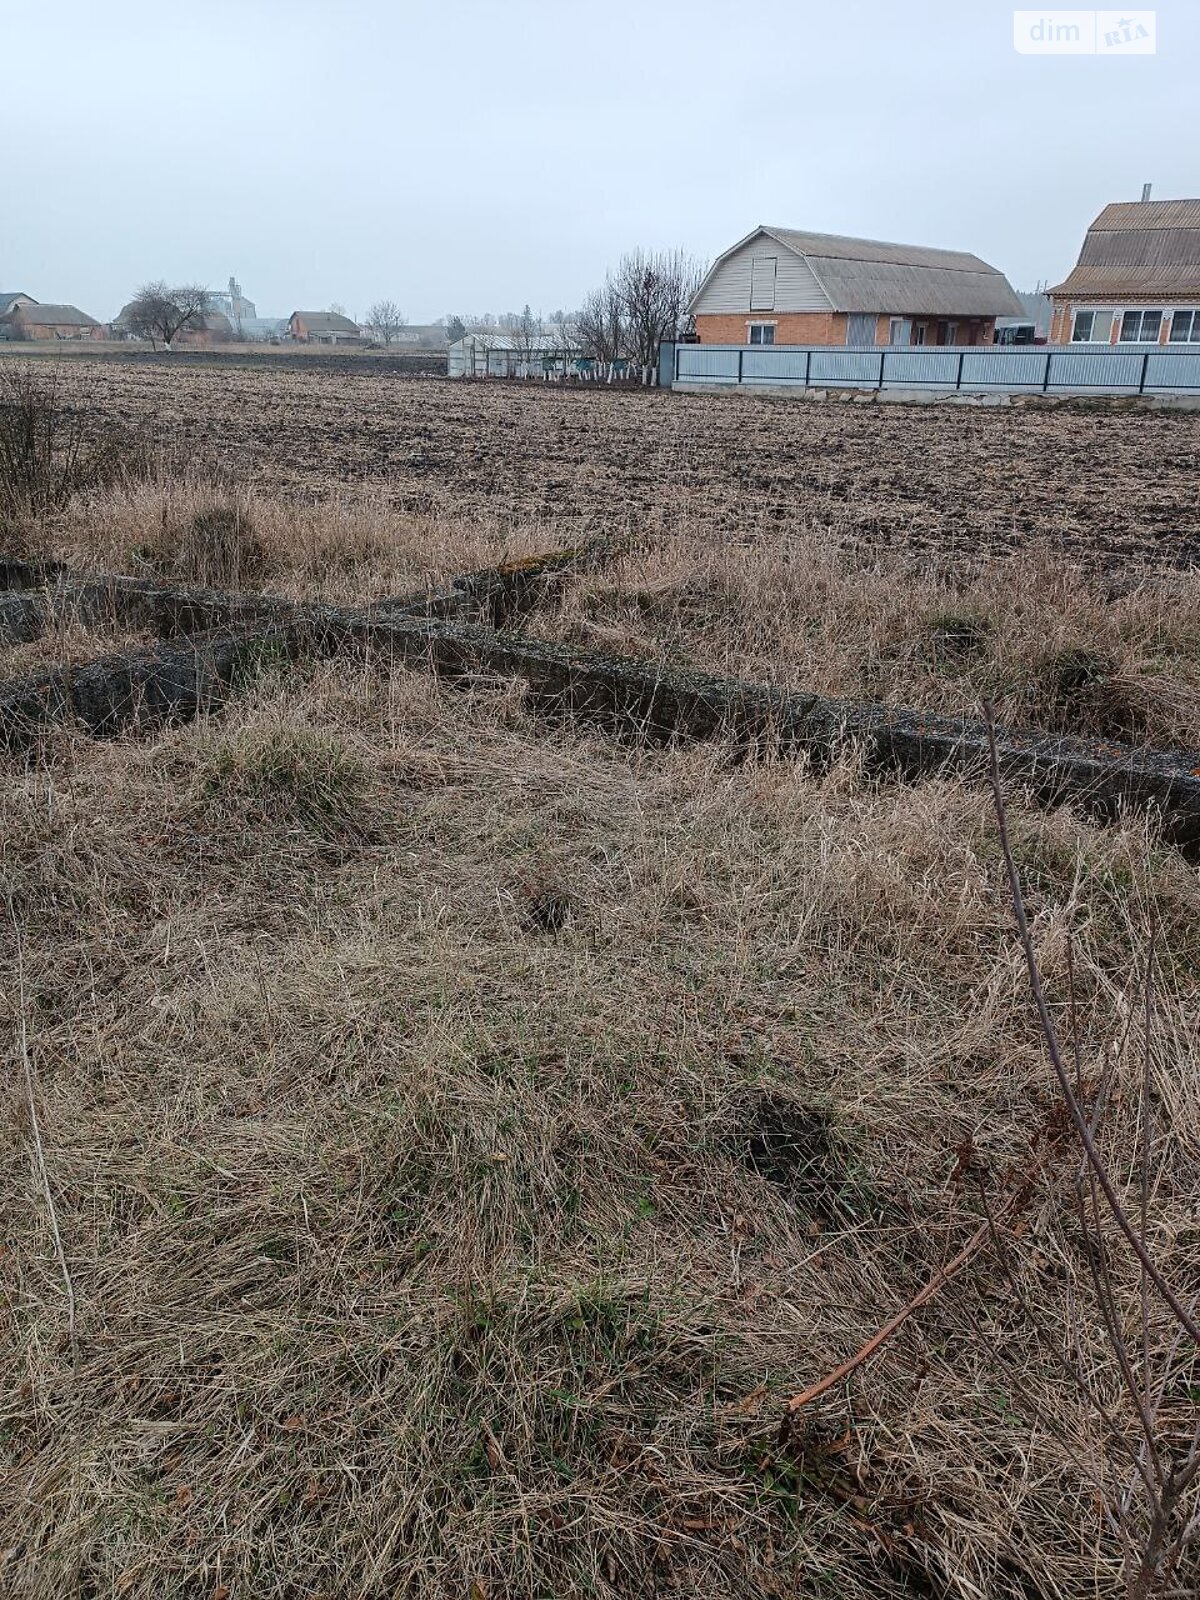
[{"x": 1094, "y": 487}]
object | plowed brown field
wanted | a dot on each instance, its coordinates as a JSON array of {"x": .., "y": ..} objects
[{"x": 1099, "y": 487}]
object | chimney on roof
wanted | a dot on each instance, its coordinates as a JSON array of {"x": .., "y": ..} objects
[{"x": 1145, "y": 192}]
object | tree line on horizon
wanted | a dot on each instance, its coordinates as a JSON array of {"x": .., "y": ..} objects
[{"x": 642, "y": 302}]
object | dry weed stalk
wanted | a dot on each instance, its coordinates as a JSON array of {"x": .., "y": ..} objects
[
  {"x": 35, "y": 1130},
  {"x": 1150, "y": 1512},
  {"x": 1148, "y": 1506}
]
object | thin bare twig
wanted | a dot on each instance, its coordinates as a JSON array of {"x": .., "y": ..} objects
[
  {"x": 877, "y": 1340},
  {"x": 1079, "y": 1121},
  {"x": 35, "y": 1128}
]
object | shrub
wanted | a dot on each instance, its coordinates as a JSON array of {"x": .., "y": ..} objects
[
  {"x": 217, "y": 547},
  {"x": 1083, "y": 691},
  {"x": 291, "y": 774},
  {"x": 957, "y": 637},
  {"x": 45, "y": 458}
]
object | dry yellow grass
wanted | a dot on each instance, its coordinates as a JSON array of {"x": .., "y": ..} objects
[
  {"x": 439, "y": 1140},
  {"x": 353, "y": 546},
  {"x": 1052, "y": 644},
  {"x": 422, "y": 1242}
]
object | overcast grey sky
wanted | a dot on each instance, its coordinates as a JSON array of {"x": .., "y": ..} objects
[{"x": 474, "y": 156}]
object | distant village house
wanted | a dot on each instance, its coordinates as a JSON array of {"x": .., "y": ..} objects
[
  {"x": 1137, "y": 280},
  {"x": 30, "y": 320},
  {"x": 786, "y": 286},
  {"x": 322, "y": 327},
  {"x": 421, "y": 336},
  {"x": 214, "y": 327}
]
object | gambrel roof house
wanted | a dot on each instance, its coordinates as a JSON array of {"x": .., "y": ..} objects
[
  {"x": 11, "y": 299},
  {"x": 1137, "y": 279},
  {"x": 322, "y": 327},
  {"x": 790, "y": 286}
]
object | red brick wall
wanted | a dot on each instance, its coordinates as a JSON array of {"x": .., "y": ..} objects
[
  {"x": 791, "y": 327},
  {"x": 43, "y": 331},
  {"x": 1063, "y": 316},
  {"x": 825, "y": 327}
]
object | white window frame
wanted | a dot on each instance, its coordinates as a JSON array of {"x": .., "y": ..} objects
[
  {"x": 1193, "y": 316},
  {"x": 1141, "y": 312},
  {"x": 761, "y": 322},
  {"x": 1093, "y": 312}
]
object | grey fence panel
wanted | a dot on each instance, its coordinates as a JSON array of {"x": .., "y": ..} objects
[
  {"x": 1003, "y": 368},
  {"x": 710, "y": 361},
  {"x": 774, "y": 364},
  {"x": 929, "y": 368},
  {"x": 1055, "y": 369},
  {"x": 1101, "y": 369},
  {"x": 1173, "y": 369},
  {"x": 854, "y": 368}
]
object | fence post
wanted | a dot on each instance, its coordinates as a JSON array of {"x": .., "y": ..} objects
[
  {"x": 962, "y": 356},
  {"x": 807, "y": 366},
  {"x": 882, "y": 359},
  {"x": 666, "y": 363},
  {"x": 1145, "y": 369},
  {"x": 741, "y": 353},
  {"x": 1046, "y": 374}
]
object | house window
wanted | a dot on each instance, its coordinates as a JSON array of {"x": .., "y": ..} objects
[
  {"x": 1185, "y": 327},
  {"x": 1092, "y": 327},
  {"x": 899, "y": 330},
  {"x": 761, "y": 332},
  {"x": 860, "y": 327},
  {"x": 918, "y": 336},
  {"x": 1140, "y": 327}
]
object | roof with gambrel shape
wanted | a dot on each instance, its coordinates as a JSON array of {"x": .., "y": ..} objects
[
  {"x": 877, "y": 275},
  {"x": 1139, "y": 249},
  {"x": 325, "y": 322}
]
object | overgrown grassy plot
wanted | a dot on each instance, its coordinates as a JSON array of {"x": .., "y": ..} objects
[
  {"x": 441, "y": 1143},
  {"x": 1055, "y": 646},
  {"x": 420, "y": 1245}
]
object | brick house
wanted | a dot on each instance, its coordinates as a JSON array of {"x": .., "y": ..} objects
[
  {"x": 784, "y": 286},
  {"x": 214, "y": 327},
  {"x": 38, "y": 322},
  {"x": 1137, "y": 280},
  {"x": 323, "y": 327}
]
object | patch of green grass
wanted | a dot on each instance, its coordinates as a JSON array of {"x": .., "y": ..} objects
[{"x": 305, "y": 774}]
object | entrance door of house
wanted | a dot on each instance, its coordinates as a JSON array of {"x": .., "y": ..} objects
[{"x": 860, "y": 329}]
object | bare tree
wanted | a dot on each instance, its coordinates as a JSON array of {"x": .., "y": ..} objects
[
  {"x": 159, "y": 312},
  {"x": 638, "y": 306},
  {"x": 526, "y": 331},
  {"x": 655, "y": 289},
  {"x": 601, "y": 322},
  {"x": 385, "y": 320}
]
